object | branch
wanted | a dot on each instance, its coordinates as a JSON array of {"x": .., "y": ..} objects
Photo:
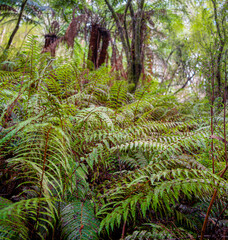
[
  {"x": 132, "y": 11},
  {"x": 2, "y": 19},
  {"x": 216, "y": 21},
  {"x": 17, "y": 25},
  {"x": 185, "y": 84},
  {"x": 120, "y": 29},
  {"x": 125, "y": 24}
]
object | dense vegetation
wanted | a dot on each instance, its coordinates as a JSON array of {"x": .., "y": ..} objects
[{"x": 113, "y": 125}]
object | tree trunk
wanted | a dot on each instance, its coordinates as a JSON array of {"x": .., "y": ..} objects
[
  {"x": 93, "y": 47},
  {"x": 134, "y": 72},
  {"x": 4, "y": 55},
  {"x": 133, "y": 54},
  {"x": 105, "y": 43},
  {"x": 17, "y": 25},
  {"x": 121, "y": 31},
  {"x": 135, "y": 68},
  {"x": 97, "y": 55},
  {"x": 222, "y": 39}
]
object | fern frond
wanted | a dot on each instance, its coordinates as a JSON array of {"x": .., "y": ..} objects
[
  {"x": 45, "y": 154},
  {"x": 160, "y": 191},
  {"x": 118, "y": 94},
  {"x": 78, "y": 221},
  {"x": 14, "y": 217}
]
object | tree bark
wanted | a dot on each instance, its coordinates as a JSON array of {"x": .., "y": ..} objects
[
  {"x": 93, "y": 47},
  {"x": 103, "y": 52},
  {"x": 222, "y": 38},
  {"x": 135, "y": 67},
  {"x": 3, "y": 33}
]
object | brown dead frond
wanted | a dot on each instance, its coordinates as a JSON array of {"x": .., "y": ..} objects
[
  {"x": 51, "y": 43},
  {"x": 74, "y": 28},
  {"x": 52, "y": 40},
  {"x": 105, "y": 42}
]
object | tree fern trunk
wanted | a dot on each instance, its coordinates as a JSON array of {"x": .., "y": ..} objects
[
  {"x": 93, "y": 46},
  {"x": 105, "y": 43}
]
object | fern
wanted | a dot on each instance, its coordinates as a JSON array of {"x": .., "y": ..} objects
[
  {"x": 78, "y": 221},
  {"x": 157, "y": 190},
  {"x": 81, "y": 154},
  {"x": 157, "y": 232},
  {"x": 15, "y": 217}
]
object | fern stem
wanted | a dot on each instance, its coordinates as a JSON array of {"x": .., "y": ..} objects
[
  {"x": 81, "y": 223},
  {"x": 44, "y": 162},
  {"x": 212, "y": 119},
  {"x": 210, "y": 206},
  {"x": 69, "y": 178},
  {"x": 208, "y": 213},
  {"x": 225, "y": 146},
  {"x": 123, "y": 230},
  {"x": 224, "y": 117},
  {"x": 136, "y": 108},
  {"x": 117, "y": 99}
]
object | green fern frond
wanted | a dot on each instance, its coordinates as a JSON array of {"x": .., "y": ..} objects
[
  {"x": 143, "y": 234},
  {"x": 14, "y": 217},
  {"x": 8, "y": 78},
  {"x": 160, "y": 191},
  {"x": 78, "y": 221},
  {"x": 156, "y": 232},
  {"x": 46, "y": 155},
  {"x": 94, "y": 117},
  {"x": 12, "y": 225},
  {"x": 118, "y": 94}
]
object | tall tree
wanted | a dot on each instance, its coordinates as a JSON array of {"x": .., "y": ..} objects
[
  {"x": 133, "y": 51},
  {"x": 22, "y": 10},
  {"x": 209, "y": 35},
  {"x": 23, "y": 4},
  {"x": 133, "y": 29}
]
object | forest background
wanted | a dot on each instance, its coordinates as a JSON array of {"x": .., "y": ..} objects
[{"x": 113, "y": 119}]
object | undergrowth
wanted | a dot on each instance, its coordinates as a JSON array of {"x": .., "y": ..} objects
[{"x": 83, "y": 158}]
